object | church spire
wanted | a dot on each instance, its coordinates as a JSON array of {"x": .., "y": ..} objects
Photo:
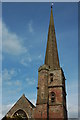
[{"x": 51, "y": 57}]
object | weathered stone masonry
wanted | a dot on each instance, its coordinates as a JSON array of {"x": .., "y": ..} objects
[{"x": 51, "y": 91}]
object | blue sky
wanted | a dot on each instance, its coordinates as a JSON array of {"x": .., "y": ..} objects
[{"x": 24, "y": 39}]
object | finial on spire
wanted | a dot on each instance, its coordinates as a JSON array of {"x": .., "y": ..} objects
[{"x": 51, "y": 4}]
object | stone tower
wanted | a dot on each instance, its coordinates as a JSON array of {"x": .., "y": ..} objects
[{"x": 51, "y": 93}]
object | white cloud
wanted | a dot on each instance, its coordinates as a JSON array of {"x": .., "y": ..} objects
[
  {"x": 8, "y": 74},
  {"x": 40, "y": 57},
  {"x": 6, "y": 108},
  {"x": 30, "y": 81},
  {"x": 73, "y": 111},
  {"x": 12, "y": 43},
  {"x": 1, "y": 116},
  {"x": 73, "y": 99},
  {"x": 73, "y": 106},
  {"x": 0, "y": 111},
  {"x": 31, "y": 30},
  {"x": 28, "y": 59},
  {"x": 25, "y": 60}
]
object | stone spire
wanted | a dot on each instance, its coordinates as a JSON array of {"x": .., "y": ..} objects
[{"x": 51, "y": 57}]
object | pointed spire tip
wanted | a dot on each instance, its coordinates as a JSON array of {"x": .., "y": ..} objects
[{"x": 51, "y": 4}]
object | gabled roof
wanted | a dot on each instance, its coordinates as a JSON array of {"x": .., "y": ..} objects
[
  {"x": 30, "y": 103},
  {"x": 24, "y": 104}
]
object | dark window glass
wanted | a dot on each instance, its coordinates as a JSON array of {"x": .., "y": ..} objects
[
  {"x": 51, "y": 74},
  {"x": 51, "y": 79},
  {"x": 52, "y": 97}
]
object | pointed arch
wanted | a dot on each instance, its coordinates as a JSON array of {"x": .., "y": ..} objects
[{"x": 21, "y": 113}]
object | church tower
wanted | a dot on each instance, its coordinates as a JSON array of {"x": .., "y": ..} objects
[{"x": 51, "y": 91}]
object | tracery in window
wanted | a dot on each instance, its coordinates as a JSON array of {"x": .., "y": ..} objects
[{"x": 20, "y": 114}]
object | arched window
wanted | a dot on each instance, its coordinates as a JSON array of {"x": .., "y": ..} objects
[
  {"x": 20, "y": 114},
  {"x": 52, "y": 97},
  {"x": 51, "y": 77}
]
